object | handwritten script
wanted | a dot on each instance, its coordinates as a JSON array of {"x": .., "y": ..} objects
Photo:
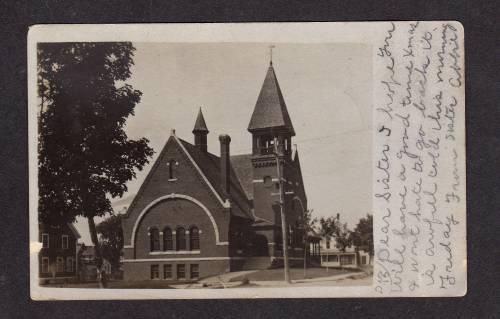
[{"x": 419, "y": 190}]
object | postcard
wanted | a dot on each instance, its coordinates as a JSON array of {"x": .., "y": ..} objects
[{"x": 249, "y": 160}]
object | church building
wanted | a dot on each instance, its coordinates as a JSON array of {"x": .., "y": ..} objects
[{"x": 198, "y": 214}]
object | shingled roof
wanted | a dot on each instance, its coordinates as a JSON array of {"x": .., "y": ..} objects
[
  {"x": 210, "y": 166},
  {"x": 242, "y": 166},
  {"x": 200, "y": 125},
  {"x": 270, "y": 110}
]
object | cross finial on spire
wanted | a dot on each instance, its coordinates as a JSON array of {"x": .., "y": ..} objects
[{"x": 271, "y": 47}]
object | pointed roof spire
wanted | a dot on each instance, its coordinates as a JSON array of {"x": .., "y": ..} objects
[
  {"x": 270, "y": 110},
  {"x": 200, "y": 125},
  {"x": 271, "y": 47}
]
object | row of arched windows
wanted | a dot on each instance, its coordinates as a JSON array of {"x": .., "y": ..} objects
[{"x": 182, "y": 239}]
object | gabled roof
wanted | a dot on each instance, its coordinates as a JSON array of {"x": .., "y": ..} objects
[
  {"x": 74, "y": 230},
  {"x": 209, "y": 164},
  {"x": 200, "y": 125},
  {"x": 270, "y": 110}
]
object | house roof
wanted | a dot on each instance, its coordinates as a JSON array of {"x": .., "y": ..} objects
[
  {"x": 200, "y": 125},
  {"x": 74, "y": 230},
  {"x": 270, "y": 110},
  {"x": 209, "y": 164},
  {"x": 242, "y": 166}
]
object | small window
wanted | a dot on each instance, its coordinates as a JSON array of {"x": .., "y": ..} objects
[
  {"x": 194, "y": 238},
  {"x": 180, "y": 238},
  {"x": 181, "y": 271},
  {"x": 277, "y": 186},
  {"x": 154, "y": 237},
  {"x": 45, "y": 240},
  {"x": 167, "y": 239},
  {"x": 167, "y": 271},
  {"x": 327, "y": 244},
  {"x": 65, "y": 241},
  {"x": 155, "y": 272},
  {"x": 333, "y": 258},
  {"x": 60, "y": 264},
  {"x": 171, "y": 165},
  {"x": 45, "y": 265},
  {"x": 267, "y": 181},
  {"x": 194, "y": 271},
  {"x": 69, "y": 264}
]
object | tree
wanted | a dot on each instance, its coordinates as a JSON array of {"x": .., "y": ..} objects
[
  {"x": 308, "y": 225},
  {"x": 111, "y": 239},
  {"x": 343, "y": 236},
  {"x": 362, "y": 236},
  {"x": 327, "y": 227},
  {"x": 85, "y": 156}
]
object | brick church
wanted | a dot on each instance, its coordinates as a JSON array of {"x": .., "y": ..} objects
[{"x": 198, "y": 214}]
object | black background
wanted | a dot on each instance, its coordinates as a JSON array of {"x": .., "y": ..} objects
[{"x": 482, "y": 41}]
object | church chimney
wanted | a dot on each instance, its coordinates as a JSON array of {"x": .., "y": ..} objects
[
  {"x": 200, "y": 132},
  {"x": 225, "y": 164}
]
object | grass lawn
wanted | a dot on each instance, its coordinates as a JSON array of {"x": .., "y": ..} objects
[{"x": 295, "y": 274}]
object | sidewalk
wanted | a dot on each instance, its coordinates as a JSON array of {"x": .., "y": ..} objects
[
  {"x": 225, "y": 281},
  {"x": 323, "y": 281}
]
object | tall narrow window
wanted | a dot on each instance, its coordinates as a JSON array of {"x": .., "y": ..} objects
[
  {"x": 180, "y": 236},
  {"x": 60, "y": 264},
  {"x": 194, "y": 271},
  {"x": 65, "y": 241},
  {"x": 194, "y": 238},
  {"x": 167, "y": 239},
  {"x": 167, "y": 271},
  {"x": 181, "y": 271},
  {"x": 171, "y": 165},
  {"x": 45, "y": 240},
  {"x": 155, "y": 272},
  {"x": 45, "y": 265},
  {"x": 69, "y": 264},
  {"x": 154, "y": 237}
]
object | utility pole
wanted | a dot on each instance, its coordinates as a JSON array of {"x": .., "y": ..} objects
[{"x": 282, "y": 212}]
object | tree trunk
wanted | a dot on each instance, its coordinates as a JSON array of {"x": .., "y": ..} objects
[
  {"x": 97, "y": 251},
  {"x": 305, "y": 258}
]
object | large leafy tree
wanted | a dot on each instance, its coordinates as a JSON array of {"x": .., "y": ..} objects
[
  {"x": 85, "y": 156},
  {"x": 362, "y": 234},
  {"x": 111, "y": 239}
]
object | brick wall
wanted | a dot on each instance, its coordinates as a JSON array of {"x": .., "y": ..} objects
[
  {"x": 187, "y": 182},
  {"x": 142, "y": 270}
]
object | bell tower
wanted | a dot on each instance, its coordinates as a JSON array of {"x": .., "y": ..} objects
[{"x": 272, "y": 133}]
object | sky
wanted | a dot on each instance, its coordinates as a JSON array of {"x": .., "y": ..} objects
[{"x": 327, "y": 89}]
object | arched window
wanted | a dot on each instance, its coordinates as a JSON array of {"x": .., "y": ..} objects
[
  {"x": 194, "y": 238},
  {"x": 180, "y": 238},
  {"x": 171, "y": 164},
  {"x": 167, "y": 239},
  {"x": 154, "y": 237}
]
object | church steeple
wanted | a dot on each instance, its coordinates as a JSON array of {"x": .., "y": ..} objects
[
  {"x": 270, "y": 111},
  {"x": 270, "y": 120},
  {"x": 200, "y": 132}
]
